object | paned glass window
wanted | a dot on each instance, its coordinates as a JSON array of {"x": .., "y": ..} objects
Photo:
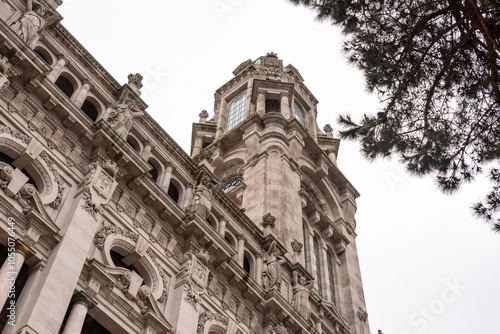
[
  {"x": 298, "y": 113},
  {"x": 304, "y": 232},
  {"x": 236, "y": 113},
  {"x": 317, "y": 266},
  {"x": 330, "y": 276}
]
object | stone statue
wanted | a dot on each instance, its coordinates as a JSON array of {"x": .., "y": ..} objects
[
  {"x": 142, "y": 296},
  {"x": 301, "y": 289},
  {"x": 121, "y": 117},
  {"x": 202, "y": 199},
  {"x": 124, "y": 281},
  {"x": 272, "y": 268},
  {"x": 32, "y": 22}
]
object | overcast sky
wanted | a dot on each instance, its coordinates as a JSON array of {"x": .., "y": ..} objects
[{"x": 427, "y": 265}]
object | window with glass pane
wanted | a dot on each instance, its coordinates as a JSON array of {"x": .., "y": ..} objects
[
  {"x": 236, "y": 113},
  {"x": 330, "y": 276},
  {"x": 318, "y": 266},
  {"x": 298, "y": 113}
]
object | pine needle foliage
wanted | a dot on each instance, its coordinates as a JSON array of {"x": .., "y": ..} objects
[{"x": 435, "y": 67}]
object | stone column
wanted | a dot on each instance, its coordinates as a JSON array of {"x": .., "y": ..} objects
[
  {"x": 18, "y": 252},
  {"x": 146, "y": 152},
  {"x": 165, "y": 182},
  {"x": 82, "y": 93},
  {"x": 258, "y": 270},
  {"x": 221, "y": 122},
  {"x": 285, "y": 107},
  {"x": 81, "y": 303},
  {"x": 198, "y": 143},
  {"x": 241, "y": 250},
  {"x": 261, "y": 104},
  {"x": 44, "y": 308},
  {"x": 56, "y": 69},
  {"x": 222, "y": 227}
]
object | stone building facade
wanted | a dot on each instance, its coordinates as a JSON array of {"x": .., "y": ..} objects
[{"x": 108, "y": 226}]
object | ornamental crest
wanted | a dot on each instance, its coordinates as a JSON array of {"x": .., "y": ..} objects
[{"x": 197, "y": 280}]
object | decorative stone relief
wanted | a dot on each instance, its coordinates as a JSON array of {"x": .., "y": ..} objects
[
  {"x": 135, "y": 80},
  {"x": 271, "y": 65},
  {"x": 142, "y": 297},
  {"x": 105, "y": 231},
  {"x": 268, "y": 220},
  {"x": 296, "y": 246},
  {"x": 124, "y": 281},
  {"x": 362, "y": 315},
  {"x": 202, "y": 199},
  {"x": 163, "y": 276},
  {"x": 27, "y": 191},
  {"x": 121, "y": 117},
  {"x": 14, "y": 133},
  {"x": 6, "y": 174},
  {"x": 31, "y": 24},
  {"x": 210, "y": 316},
  {"x": 8, "y": 71},
  {"x": 101, "y": 178},
  {"x": 271, "y": 275},
  {"x": 56, "y": 203},
  {"x": 197, "y": 280}
]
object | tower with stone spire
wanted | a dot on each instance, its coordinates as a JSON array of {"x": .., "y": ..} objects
[{"x": 264, "y": 145}]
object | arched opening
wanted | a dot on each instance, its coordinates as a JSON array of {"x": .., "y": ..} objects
[
  {"x": 173, "y": 192},
  {"x": 230, "y": 239},
  {"x": 212, "y": 222},
  {"x": 154, "y": 171},
  {"x": 65, "y": 86},
  {"x": 90, "y": 110},
  {"x": 134, "y": 143},
  {"x": 246, "y": 264},
  {"x": 42, "y": 53},
  {"x": 118, "y": 260}
]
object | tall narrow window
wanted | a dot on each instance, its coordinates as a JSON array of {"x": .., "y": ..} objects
[
  {"x": 299, "y": 115},
  {"x": 304, "y": 232},
  {"x": 330, "y": 276},
  {"x": 317, "y": 266},
  {"x": 236, "y": 113}
]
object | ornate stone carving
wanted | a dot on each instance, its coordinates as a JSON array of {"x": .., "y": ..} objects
[
  {"x": 328, "y": 129},
  {"x": 206, "y": 316},
  {"x": 271, "y": 65},
  {"x": 56, "y": 203},
  {"x": 362, "y": 315},
  {"x": 301, "y": 289},
  {"x": 92, "y": 208},
  {"x": 135, "y": 79},
  {"x": 105, "y": 231},
  {"x": 142, "y": 297},
  {"x": 96, "y": 197},
  {"x": 202, "y": 199},
  {"x": 271, "y": 275},
  {"x": 296, "y": 246},
  {"x": 6, "y": 174},
  {"x": 197, "y": 279},
  {"x": 14, "y": 133},
  {"x": 121, "y": 117},
  {"x": 124, "y": 281},
  {"x": 8, "y": 72},
  {"x": 205, "y": 154},
  {"x": 31, "y": 24},
  {"x": 25, "y": 193},
  {"x": 268, "y": 220},
  {"x": 163, "y": 276}
]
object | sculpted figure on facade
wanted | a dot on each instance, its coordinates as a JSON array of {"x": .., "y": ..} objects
[
  {"x": 197, "y": 280},
  {"x": 142, "y": 296},
  {"x": 25, "y": 193},
  {"x": 33, "y": 21},
  {"x": 272, "y": 268},
  {"x": 6, "y": 174},
  {"x": 202, "y": 199},
  {"x": 301, "y": 289},
  {"x": 121, "y": 117},
  {"x": 124, "y": 281}
]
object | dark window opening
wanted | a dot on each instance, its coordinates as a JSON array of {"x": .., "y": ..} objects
[
  {"x": 246, "y": 264},
  {"x": 132, "y": 142},
  {"x": 43, "y": 57},
  {"x": 272, "y": 106},
  {"x": 153, "y": 172},
  {"x": 173, "y": 193},
  {"x": 65, "y": 86},
  {"x": 90, "y": 110},
  {"x": 6, "y": 159}
]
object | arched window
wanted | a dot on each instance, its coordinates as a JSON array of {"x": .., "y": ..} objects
[
  {"x": 299, "y": 115},
  {"x": 317, "y": 266},
  {"x": 236, "y": 113},
  {"x": 44, "y": 55},
  {"x": 153, "y": 172},
  {"x": 90, "y": 110},
  {"x": 230, "y": 240},
  {"x": 329, "y": 259},
  {"x": 173, "y": 192},
  {"x": 134, "y": 143},
  {"x": 65, "y": 86}
]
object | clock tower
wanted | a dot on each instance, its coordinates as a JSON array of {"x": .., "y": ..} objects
[{"x": 274, "y": 162}]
